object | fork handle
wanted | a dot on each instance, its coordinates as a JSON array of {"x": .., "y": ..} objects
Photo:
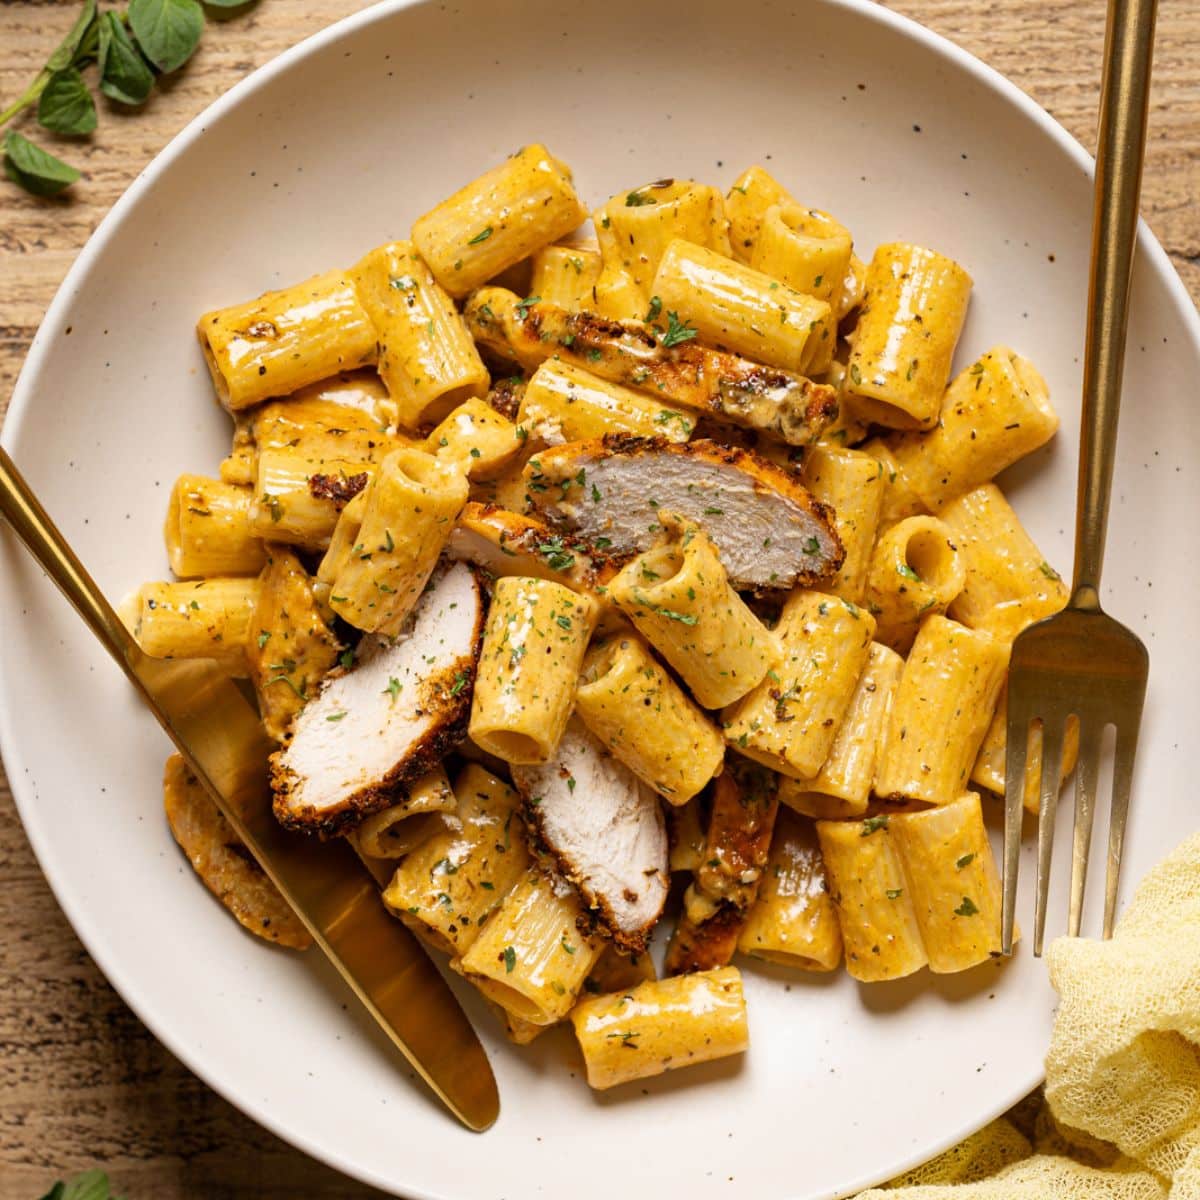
[
  {"x": 1121, "y": 146},
  {"x": 31, "y": 523}
]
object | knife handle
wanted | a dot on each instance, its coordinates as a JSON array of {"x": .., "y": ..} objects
[{"x": 41, "y": 537}]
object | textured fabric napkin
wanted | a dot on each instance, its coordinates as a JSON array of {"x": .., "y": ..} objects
[{"x": 1119, "y": 1118}]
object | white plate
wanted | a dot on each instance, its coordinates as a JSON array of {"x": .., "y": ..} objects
[{"x": 337, "y": 146}]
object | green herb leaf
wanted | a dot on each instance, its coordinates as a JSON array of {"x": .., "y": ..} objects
[
  {"x": 965, "y": 861},
  {"x": 655, "y": 308},
  {"x": 124, "y": 74},
  {"x": 346, "y": 659},
  {"x": 874, "y": 824},
  {"x": 677, "y": 331},
  {"x": 67, "y": 53},
  {"x": 638, "y": 198},
  {"x": 1049, "y": 572},
  {"x": 908, "y": 573},
  {"x": 523, "y": 307},
  {"x": 894, "y": 893},
  {"x": 66, "y": 106},
  {"x": 91, "y": 1185},
  {"x": 481, "y": 236},
  {"x": 35, "y": 169},
  {"x": 967, "y": 908},
  {"x": 167, "y": 30},
  {"x": 510, "y": 960}
]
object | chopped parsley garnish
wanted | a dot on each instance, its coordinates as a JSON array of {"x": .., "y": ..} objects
[
  {"x": 677, "y": 331},
  {"x": 908, "y": 573},
  {"x": 965, "y": 861},
  {"x": 967, "y": 908},
  {"x": 337, "y": 716},
  {"x": 510, "y": 960},
  {"x": 394, "y": 688},
  {"x": 873, "y": 825},
  {"x": 652, "y": 314},
  {"x": 557, "y": 556},
  {"x": 481, "y": 236},
  {"x": 525, "y": 305}
]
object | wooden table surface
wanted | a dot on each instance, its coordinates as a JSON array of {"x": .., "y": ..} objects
[{"x": 82, "y": 1083}]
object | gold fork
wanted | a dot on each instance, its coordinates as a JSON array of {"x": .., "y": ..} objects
[
  {"x": 1081, "y": 662},
  {"x": 220, "y": 736}
]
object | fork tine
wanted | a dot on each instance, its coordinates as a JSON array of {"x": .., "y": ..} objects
[
  {"x": 1087, "y": 784},
  {"x": 1052, "y": 745},
  {"x": 1017, "y": 735},
  {"x": 1127, "y": 736}
]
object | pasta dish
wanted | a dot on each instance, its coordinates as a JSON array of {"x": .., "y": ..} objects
[{"x": 590, "y": 573}]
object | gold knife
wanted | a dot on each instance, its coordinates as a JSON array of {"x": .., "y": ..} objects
[{"x": 221, "y": 737}]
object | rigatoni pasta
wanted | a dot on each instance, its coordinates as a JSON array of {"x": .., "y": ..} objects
[
  {"x": 565, "y": 403},
  {"x": 994, "y": 413},
  {"x": 678, "y": 596},
  {"x": 843, "y": 785},
  {"x": 408, "y": 513},
  {"x": 533, "y": 646},
  {"x": 426, "y": 357},
  {"x": 210, "y": 618},
  {"x": 793, "y": 921},
  {"x": 276, "y": 344},
  {"x": 661, "y": 1025},
  {"x": 953, "y": 882},
  {"x": 870, "y": 888},
  {"x": 806, "y": 249},
  {"x": 916, "y": 302},
  {"x": 525, "y": 203},
  {"x": 208, "y": 530},
  {"x": 790, "y": 720},
  {"x": 942, "y": 709},
  {"x": 565, "y": 275},
  {"x": 644, "y": 717},
  {"x": 737, "y": 308}
]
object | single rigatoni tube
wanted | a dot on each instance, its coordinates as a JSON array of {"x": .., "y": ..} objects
[
  {"x": 806, "y": 249},
  {"x": 842, "y": 787},
  {"x": 343, "y": 540},
  {"x": 678, "y": 596},
  {"x": 852, "y": 484},
  {"x": 1002, "y": 562},
  {"x": 533, "y": 646},
  {"x": 867, "y": 881},
  {"x": 207, "y": 530},
  {"x": 565, "y": 275},
  {"x": 210, "y": 618},
  {"x": 661, "y": 1025},
  {"x": 916, "y": 571},
  {"x": 530, "y": 956},
  {"x": 290, "y": 648},
  {"x": 916, "y": 302},
  {"x": 634, "y": 230},
  {"x": 899, "y": 500},
  {"x": 387, "y": 834},
  {"x": 426, "y": 356},
  {"x": 525, "y": 203},
  {"x": 942, "y": 709},
  {"x": 287, "y": 508},
  {"x": 644, "y": 717},
  {"x": 754, "y": 192},
  {"x": 565, "y": 403},
  {"x": 789, "y": 722},
  {"x": 735, "y": 307},
  {"x": 446, "y": 888},
  {"x": 953, "y": 881},
  {"x": 282, "y": 341},
  {"x": 407, "y": 518},
  {"x": 793, "y": 921},
  {"x": 993, "y": 414},
  {"x": 475, "y": 436}
]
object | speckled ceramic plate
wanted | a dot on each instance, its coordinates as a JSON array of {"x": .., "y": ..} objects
[{"x": 337, "y": 146}]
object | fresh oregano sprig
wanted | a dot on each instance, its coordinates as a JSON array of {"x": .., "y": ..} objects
[
  {"x": 91, "y": 1185},
  {"x": 129, "y": 48}
]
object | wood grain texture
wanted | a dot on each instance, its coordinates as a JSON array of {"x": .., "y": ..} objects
[{"x": 82, "y": 1083}]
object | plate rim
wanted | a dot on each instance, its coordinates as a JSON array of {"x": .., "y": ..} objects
[{"x": 91, "y": 934}]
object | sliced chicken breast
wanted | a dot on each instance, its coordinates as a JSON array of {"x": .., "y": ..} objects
[
  {"x": 390, "y": 718},
  {"x": 605, "y": 829},
  {"x": 723, "y": 386},
  {"x": 769, "y": 531}
]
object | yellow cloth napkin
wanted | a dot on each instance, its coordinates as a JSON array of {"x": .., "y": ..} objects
[{"x": 1120, "y": 1118}]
